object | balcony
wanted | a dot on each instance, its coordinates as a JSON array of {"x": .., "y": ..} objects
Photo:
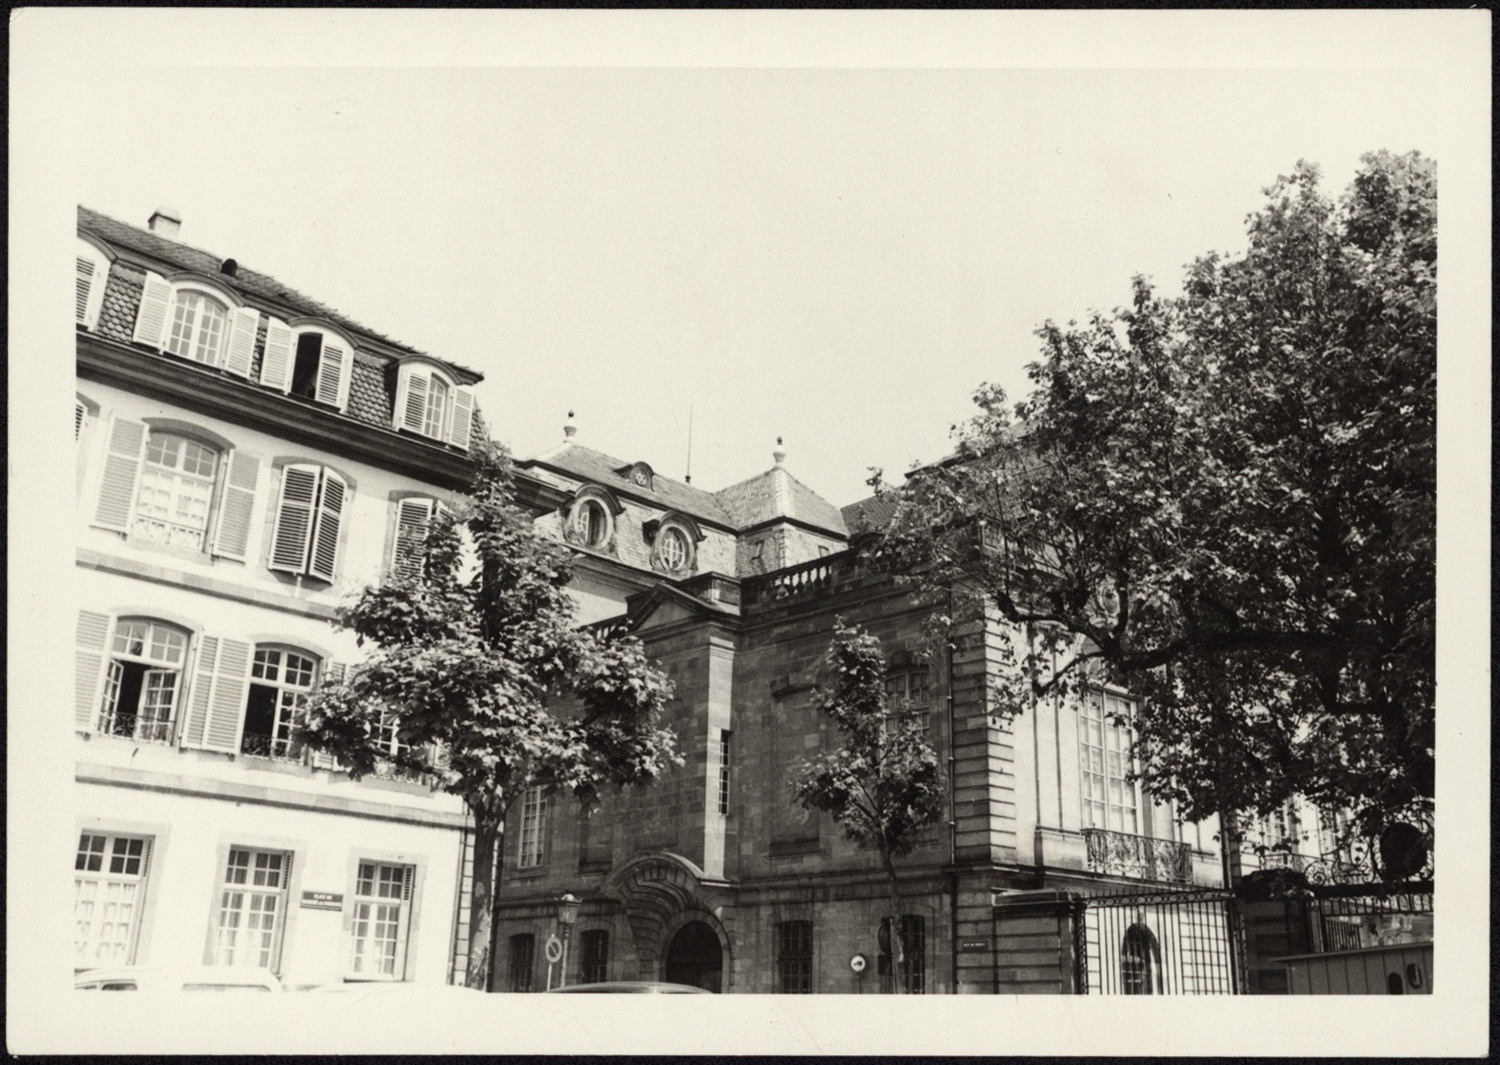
[
  {"x": 802, "y": 581},
  {"x": 1141, "y": 857},
  {"x": 144, "y": 729}
]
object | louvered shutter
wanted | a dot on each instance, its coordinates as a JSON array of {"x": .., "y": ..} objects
[
  {"x": 196, "y": 723},
  {"x": 463, "y": 418},
  {"x": 276, "y": 366},
  {"x": 151, "y": 318},
  {"x": 79, "y": 410},
  {"x": 226, "y": 702},
  {"x": 294, "y": 518},
  {"x": 240, "y": 351},
  {"x": 86, "y": 282},
  {"x": 233, "y": 532},
  {"x": 88, "y": 662},
  {"x": 414, "y": 411},
  {"x": 122, "y": 467},
  {"x": 413, "y": 519},
  {"x": 331, "y": 372},
  {"x": 333, "y": 673},
  {"x": 325, "y": 537}
]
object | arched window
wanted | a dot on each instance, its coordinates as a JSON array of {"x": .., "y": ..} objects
[
  {"x": 1140, "y": 959},
  {"x": 674, "y": 549},
  {"x": 432, "y": 404},
  {"x": 309, "y": 360},
  {"x": 197, "y": 319},
  {"x": 281, "y": 679},
  {"x": 674, "y": 543},
  {"x": 177, "y": 489},
  {"x": 197, "y": 327},
  {"x": 143, "y": 680}
]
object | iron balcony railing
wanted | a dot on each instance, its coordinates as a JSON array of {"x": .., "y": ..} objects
[{"x": 1123, "y": 854}]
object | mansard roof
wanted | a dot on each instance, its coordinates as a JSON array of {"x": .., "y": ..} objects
[{"x": 595, "y": 467}]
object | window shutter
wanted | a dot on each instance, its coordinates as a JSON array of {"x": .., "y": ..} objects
[
  {"x": 89, "y": 641},
  {"x": 79, "y": 410},
  {"x": 413, "y": 518},
  {"x": 122, "y": 465},
  {"x": 241, "y": 348},
  {"x": 463, "y": 417},
  {"x": 86, "y": 282},
  {"x": 294, "y": 518},
  {"x": 333, "y": 673},
  {"x": 233, "y": 532},
  {"x": 226, "y": 702},
  {"x": 151, "y": 318},
  {"x": 415, "y": 409},
  {"x": 331, "y": 373},
  {"x": 196, "y": 723},
  {"x": 276, "y": 366},
  {"x": 325, "y": 537}
]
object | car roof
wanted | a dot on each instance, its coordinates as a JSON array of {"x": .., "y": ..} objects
[{"x": 636, "y": 986}]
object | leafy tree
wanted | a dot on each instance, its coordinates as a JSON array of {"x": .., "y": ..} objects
[
  {"x": 882, "y": 785},
  {"x": 1226, "y": 500},
  {"x": 478, "y": 669}
]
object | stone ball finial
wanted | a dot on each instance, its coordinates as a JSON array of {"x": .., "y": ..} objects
[
  {"x": 780, "y": 453},
  {"x": 568, "y": 427}
]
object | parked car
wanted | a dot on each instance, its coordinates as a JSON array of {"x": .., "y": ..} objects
[
  {"x": 393, "y": 991},
  {"x": 633, "y": 987},
  {"x": 190, "y": 978}
]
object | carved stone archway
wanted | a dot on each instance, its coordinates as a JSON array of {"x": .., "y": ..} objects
[{"x": 660, "y": 893}]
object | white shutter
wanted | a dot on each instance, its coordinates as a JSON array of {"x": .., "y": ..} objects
[
  {"x": 196, "y": 722},
  {"x": 463, "y": 418},
  {"x": 276, "y": 366},
  {"x": 86, "y": 282},
  {"x": 243, "y": 322},
  {"x": 151, "y": 318},
  {"x": 233, "y": 532},
  {"x": 413, "y": 413},
  {"x": 79, "y": 411},
  {"x": 294, "y": 519},
  {"x": 333, "y": 673},
  {"x": 331, "y": 373},
  {"x": 226, "y": 703},
  {"x": 413, "y": 518},
  {"x": 89, "y": 642},
  {"x": 325, "y": 537},
  {"x": 122, "y": 467}
]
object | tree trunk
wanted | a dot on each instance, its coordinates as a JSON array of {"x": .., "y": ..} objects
[
  {"x": 898, "y": 944},
  {"x": 488, "y": 827}
]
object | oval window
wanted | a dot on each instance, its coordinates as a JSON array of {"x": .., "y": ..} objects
[{"x": 674, "y": 549}]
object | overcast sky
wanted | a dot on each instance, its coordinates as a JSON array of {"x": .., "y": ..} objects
[{"x": 835, "y": 256}]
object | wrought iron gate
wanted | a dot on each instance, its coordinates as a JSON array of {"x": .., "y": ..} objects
[{"x": 1168, "y": 943}]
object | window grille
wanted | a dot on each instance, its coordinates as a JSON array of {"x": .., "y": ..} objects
[
  {"x": 794, "y": 957},
  {"x": 595, "y": 961},
  {"x": 522, "y": 961}
]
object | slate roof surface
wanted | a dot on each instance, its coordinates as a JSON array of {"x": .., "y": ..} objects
[
  {"x": 872, "y": 514},
  {"x": 245, "y": 280},
  {"x": 598, "y": 468},
  {"x": 777, "y": 494}
]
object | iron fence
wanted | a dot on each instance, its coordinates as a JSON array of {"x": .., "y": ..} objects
[
  {"x": 1350, "y": 922},
  {"x": 1169, "y": 943}
]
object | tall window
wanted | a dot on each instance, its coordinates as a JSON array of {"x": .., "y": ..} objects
[
  {"x": 533, "y": 828},
  {"x": 144, "y": 678},
  {"x": 595, "y": 947},
  {"x": 1108, "y": 796},
  {"x": 197, "y": 328},
  {"x": 251, "y": 904},
  {"x": 109, "y": 883},
  {"x": 311, "y": 508},
  {"x": 305, "y": 366},
  {"x": 522, "y": 956},
  {"x": 280, "y": 682},
  {"x": 177, "y": 488},
  {"x": 908, "y": 695},
  {"x": 724, "y": 735},
  {"x": 1138, "y": 961},
  {"x": 794, "y": 957},
  {"x": 413, "y": 522},
  {"x": 435, "y": 416},
  {"x": 382, "y": 904},
  {"x": 914, "y": 945},
  {"x": 432, "y": 404}
]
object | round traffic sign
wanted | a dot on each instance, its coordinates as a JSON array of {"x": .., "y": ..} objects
[{"x": 554, "y": 949}]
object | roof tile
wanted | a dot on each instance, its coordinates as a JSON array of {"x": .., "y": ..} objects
[{"x": 598, "y": 468}]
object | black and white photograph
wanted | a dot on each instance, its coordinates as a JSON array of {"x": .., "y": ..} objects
[{"x": 898, "y": 518}]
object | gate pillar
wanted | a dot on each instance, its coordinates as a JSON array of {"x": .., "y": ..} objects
[{"x": 1034, "y": 943}]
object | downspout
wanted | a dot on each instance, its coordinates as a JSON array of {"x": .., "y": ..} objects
[{"x": 952, "y": 815}]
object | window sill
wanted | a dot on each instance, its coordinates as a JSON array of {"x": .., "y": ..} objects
[
  {"x": 531, "y": 872},
  {"x": 790, "y": 848}
]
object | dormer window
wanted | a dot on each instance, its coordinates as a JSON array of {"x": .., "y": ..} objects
[
  {"x": 673, "y": 549},
  {"x": 638, "y": 474},
  {"x": 198, "y": 320},
  {"x": 590, "y": 521},
  {"x": 674, "y": 539},
  {"x": 93, "y": 271},
  {"x": 197, "y": 328},
  {"x": 431, "y": 403},
  {"x": 309, "y": 359}
]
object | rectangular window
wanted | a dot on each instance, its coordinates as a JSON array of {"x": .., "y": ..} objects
[
  {"x": 109, "y": 885},
  {"x": 522, "y": 956},
  {"x": 595, "y": 947},
  {"x": 251, "y": 908},
  {"x": 907, "y": 695},
  {"x": 914, "y": 945},
  {"x": 724, "y": 771},
  {"x": 1104, "y": 755},
  {"x": 382, "y": 914},
  {"x": 142, "y": 681},
  {"x": 794, "y": 957},
  {"x": 533, "y": 829}
]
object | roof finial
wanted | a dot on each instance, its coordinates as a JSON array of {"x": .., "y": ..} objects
[
  {"x": 569, "y": 428},
  {"x": 780, "y": 453}
]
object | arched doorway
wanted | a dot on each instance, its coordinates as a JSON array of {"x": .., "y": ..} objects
[
  {"x": 695, "y": 957},
  {"x": 1140, "y": 962}
]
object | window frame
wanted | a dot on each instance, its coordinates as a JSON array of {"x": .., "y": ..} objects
[
  {"x": 1124, "y": 735},
  {"x": 412, "y": 410},
  {"x": 913, "y": 945},
  {"x": 726, "y": 770},
  {"x": 90, "y": 285},
  {"x": 916, "y": 711},
  {"x": 178, "y": 475},
  {"x": 282, "y": 912},
  {"x": 403, "y": 904},
  {"x": 301, "y": 553},
  {"x": 410, "y": 511},
  {"x": 112, "y": 680},
  {"x": 593, "y": 956},
  {"x": 294, "y": 751},
  {"x": 794, "y": 957},
  {"x": 531, "y": 829},
  {"x": 590, "y": 499},
  {"x": 156, "y": 321},
  {"x": 521, "y": 962},
  {"x": 139, "y": 880}
]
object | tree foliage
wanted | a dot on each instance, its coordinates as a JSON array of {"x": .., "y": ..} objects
[
  {"x": 1226, "y": 501},
  {"x": 478, "y": 669},
  {"x": 882, "y": 784}
]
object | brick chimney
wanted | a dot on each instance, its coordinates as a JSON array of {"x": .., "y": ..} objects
[{"x": 165, "y": 222}]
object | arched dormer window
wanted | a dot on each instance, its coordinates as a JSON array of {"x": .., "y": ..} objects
[
  {"x": 197, "y": 319},
  {"x": 674, "y": 540},
  {"x": 93, "y": 272},
  {"x": 639, "y": 474},
  {"x": 430, "y": 402},
  {"x": 308, "y": 358},
  {"x": 590, "y": 519}
]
